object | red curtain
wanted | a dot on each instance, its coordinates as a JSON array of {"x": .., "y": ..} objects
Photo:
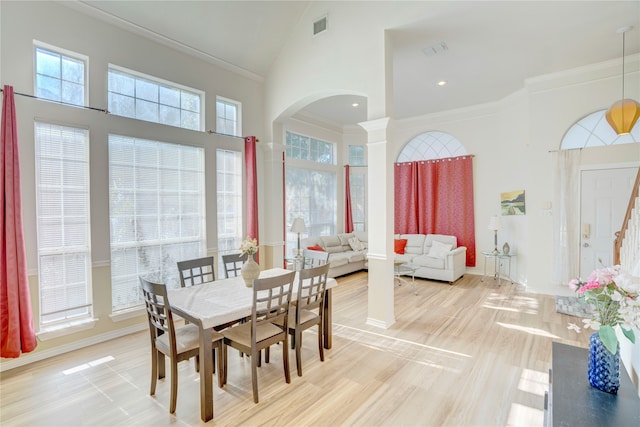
[
  {"x": 348, "y": 213},
  {"x": 252, "y": 187},
  {"x": 436, "y": 197},
  {"x": 16, "y": 318}
]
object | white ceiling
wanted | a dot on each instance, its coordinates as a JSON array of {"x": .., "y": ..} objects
[{"x": 492, "y": 46}]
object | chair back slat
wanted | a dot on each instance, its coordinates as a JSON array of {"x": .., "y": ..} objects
[
  {"x": 159, "y": 314},
  {"x": 233, "y": 264},
  {"x": 312, "y": 286},
  {"x": 196, "y": 271},
  {"x": 271, "y": 299},
  {"x": 314, "y": 258}
]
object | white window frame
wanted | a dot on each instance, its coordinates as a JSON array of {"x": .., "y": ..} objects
[
  {"x": 64, "y": 53},
  {"x": 60, "y": 203},
  {"x": 161, "y": 82},
  {"x": 237, "y": 124},
  {"x": 229, "y": 192},
  {"x": 157, "y": 207}
]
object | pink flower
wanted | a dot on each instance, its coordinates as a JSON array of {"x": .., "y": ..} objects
[
  {"x": 574, "y": 284},
  {"x": 589, "y": 286}
]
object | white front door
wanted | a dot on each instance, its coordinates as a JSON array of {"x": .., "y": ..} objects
[{"x": 604, "y": 198}]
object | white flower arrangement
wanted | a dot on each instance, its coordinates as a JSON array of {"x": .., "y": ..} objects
[{"x": 249, "y": 246}]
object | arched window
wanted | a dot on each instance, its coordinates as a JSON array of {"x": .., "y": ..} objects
[
  {"x": 594, "y": 131},
  {"x": 431, "y": 145}
]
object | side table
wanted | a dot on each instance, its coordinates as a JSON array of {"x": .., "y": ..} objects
[{"x": 499, "y": 259}]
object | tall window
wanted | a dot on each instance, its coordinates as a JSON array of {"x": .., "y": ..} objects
[
  {"x": 229, "y": 200},
  {"x": 63, "y": 226},
  {"x": 357, "y": 181},
  {"x": 310, "y": 186},
  {"x": 157, "y": 213},
  {"x": 60, "y": 75},
  {"x": 143, "y": 97},
  {"x": 228, "y": 116}
]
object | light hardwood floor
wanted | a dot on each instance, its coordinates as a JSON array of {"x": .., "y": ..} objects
[{"x": 471, "y": 354}]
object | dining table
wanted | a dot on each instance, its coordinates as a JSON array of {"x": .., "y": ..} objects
[{"x": 222, "y": 301}]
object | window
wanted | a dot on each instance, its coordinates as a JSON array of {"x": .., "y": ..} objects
[
  {"x": 228, "y": 117},
  {"x": 143, "y": 97},
  {"x": 357, "y": 181},
  {"x": 306, "y": 148},
  {"x": 431, "y": 145},
  {"x": 60, "y": 75},
  {"x": 63, "y": 226},
  {"x": 356, "y": 155},
  {"x": 157, "y": 213},
  {"x": 594, "y": 131},
  {"x": 229, "y": 200}
]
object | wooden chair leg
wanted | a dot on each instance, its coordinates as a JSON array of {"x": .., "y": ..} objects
[
  {"x": 298, "y": 338},
  {"x": 223, "y": 371},
  {"x": 266, "y": 355},
  {"x": 285, "y": 359},
  {"x": 174, "y": 386},
  {"x": 320, "y": 343},
  {"x": 197, "y": 363},
  {"x": 154, "y": 371},
  {"x": 254, "y": 376}
]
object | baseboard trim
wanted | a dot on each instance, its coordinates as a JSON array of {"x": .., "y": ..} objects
[{"x": 27, "y": 358}]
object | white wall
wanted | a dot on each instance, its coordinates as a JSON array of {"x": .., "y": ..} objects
[{"x": 49, "y": 22}]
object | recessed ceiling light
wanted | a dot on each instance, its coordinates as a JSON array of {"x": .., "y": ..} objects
[
  {"x": 442, "y": 82},
  {"x": 355, "y": 104}
]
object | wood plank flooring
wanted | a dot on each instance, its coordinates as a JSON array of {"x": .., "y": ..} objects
[{"x": 471, "y": 354}]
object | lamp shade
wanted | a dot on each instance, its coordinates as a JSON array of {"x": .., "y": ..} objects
[
  {"x": 623, "y": 115},
  {"x": 494, "y": 223},
  {"x": 298, "y": 226}
]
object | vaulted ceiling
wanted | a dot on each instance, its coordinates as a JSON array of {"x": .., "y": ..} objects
[{"x": 491, "y": 47}]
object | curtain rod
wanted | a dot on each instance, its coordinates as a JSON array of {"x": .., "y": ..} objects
[
  {"x": 566, "y": 149},
  {"x": 104, "y": 110},
  {"x": 359, "y": 166}
]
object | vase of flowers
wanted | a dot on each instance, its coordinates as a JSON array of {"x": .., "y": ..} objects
[
  {"x": 613, "y": 295},
  {"x": 250, "y": 269}
]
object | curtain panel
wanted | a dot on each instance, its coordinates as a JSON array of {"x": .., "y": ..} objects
[
  {"x": 436, "y": 197},
  {"x": 252, "y": 187},
  {"x": 348, "y": 213}
]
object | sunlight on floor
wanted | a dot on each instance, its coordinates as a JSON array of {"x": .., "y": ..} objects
[
  {"x": 88, "y": 365},
  {"x": 517, "y": 304},
  {"x": 521, "y": 415},
  {"x": 534, "y": 382},
  {"x": 533, "y": 331}
]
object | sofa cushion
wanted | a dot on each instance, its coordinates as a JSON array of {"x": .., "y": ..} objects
[
  {"x": 439, "y": 249},
  {"x": 404, "y": 258},
  {"x": 415, "y": 243},
  {"x": 440, "y": 238},
  {"x": 355, "y": 256},
  {"x": 316, "y": 248},
  {"x": 332, "y": 244},
  {"x": 337, "y": 259},
  {"x": 356, "y": 244},
  {"x": 344, "y": 240},
  {"x": 427, "y": 261},
  {"x": 399, "y": 245},
  {"x": 363, "y": 237}
]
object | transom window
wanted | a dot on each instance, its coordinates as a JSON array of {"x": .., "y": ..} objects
[
  {"x": 147, "y": 98},
  {"x": 431, "y": 145},
  {"x": 60, "y": 75},
  {"x": 356, "y": 155},
  {"x": 228, "y": 116},
  {"x": 307, "y": 148},
  {"x": 63, "y": 223},
  {"x": 156, "y": 211},
  {"x": 594, "y": 131}
]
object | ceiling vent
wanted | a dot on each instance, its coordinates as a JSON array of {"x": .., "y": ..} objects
[
  {"x": 320, "y": 25},
  {"x": 435, "y": 49}
]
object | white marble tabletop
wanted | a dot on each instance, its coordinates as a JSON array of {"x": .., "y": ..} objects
[{"x": 222, "y": 301}]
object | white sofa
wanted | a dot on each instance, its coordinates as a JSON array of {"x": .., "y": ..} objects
[
  {"x": 343, "y": 259},
  {"x": 443, "y": 260}
]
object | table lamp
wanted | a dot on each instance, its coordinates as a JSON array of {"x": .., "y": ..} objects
[
  {"x": 298, "y": 227},
  {"x": 494, "y": 225}
]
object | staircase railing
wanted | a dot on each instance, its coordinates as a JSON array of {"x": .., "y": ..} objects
[{"x": 630, "y": 229}]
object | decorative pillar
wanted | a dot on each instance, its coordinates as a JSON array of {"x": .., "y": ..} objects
[{"x": 380, "y": 224}]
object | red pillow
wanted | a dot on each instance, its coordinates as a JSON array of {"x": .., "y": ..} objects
[
  {"x": 399, "y": 245},
  {"x": 316, "y": 248}
]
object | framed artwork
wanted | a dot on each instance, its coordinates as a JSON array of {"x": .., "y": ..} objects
[{"x": 512, "y": 203}]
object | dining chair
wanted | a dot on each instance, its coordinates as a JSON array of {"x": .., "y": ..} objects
[
  {"x": 314, "y": 258},
  {"x": 196, "y": 271},
  {"x": 271, "y": 298},
  {"x": 178, "y": 343},
  {"x": 309, "y": 309},
  {"x": 233, "y": 264}
]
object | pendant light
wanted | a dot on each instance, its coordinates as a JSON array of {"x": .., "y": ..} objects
[{"x": 623, "y": 114}]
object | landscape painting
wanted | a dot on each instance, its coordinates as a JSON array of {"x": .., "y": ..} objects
[{"x": 512, "y": 203}]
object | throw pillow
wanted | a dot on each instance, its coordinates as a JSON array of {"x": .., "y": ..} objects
[
  {"x": 439, "y": 249},
  {"x": 399, "y": 245},
  {"x": 356, "y": 244},
  {"x": 316, "y": 248}
]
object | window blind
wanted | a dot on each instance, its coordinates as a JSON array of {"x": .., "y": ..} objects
[
  {"x": 156, "y": 211},
  {"x": 229, "y": 201},
  {"x": 63, "y": 225}
]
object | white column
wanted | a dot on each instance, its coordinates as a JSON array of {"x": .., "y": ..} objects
[
  {"x": 272, "y": 197},
  {"x": 380, "y": 224}
]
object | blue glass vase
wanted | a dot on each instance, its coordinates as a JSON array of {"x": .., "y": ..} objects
[{"x": 604, "y": 367}]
